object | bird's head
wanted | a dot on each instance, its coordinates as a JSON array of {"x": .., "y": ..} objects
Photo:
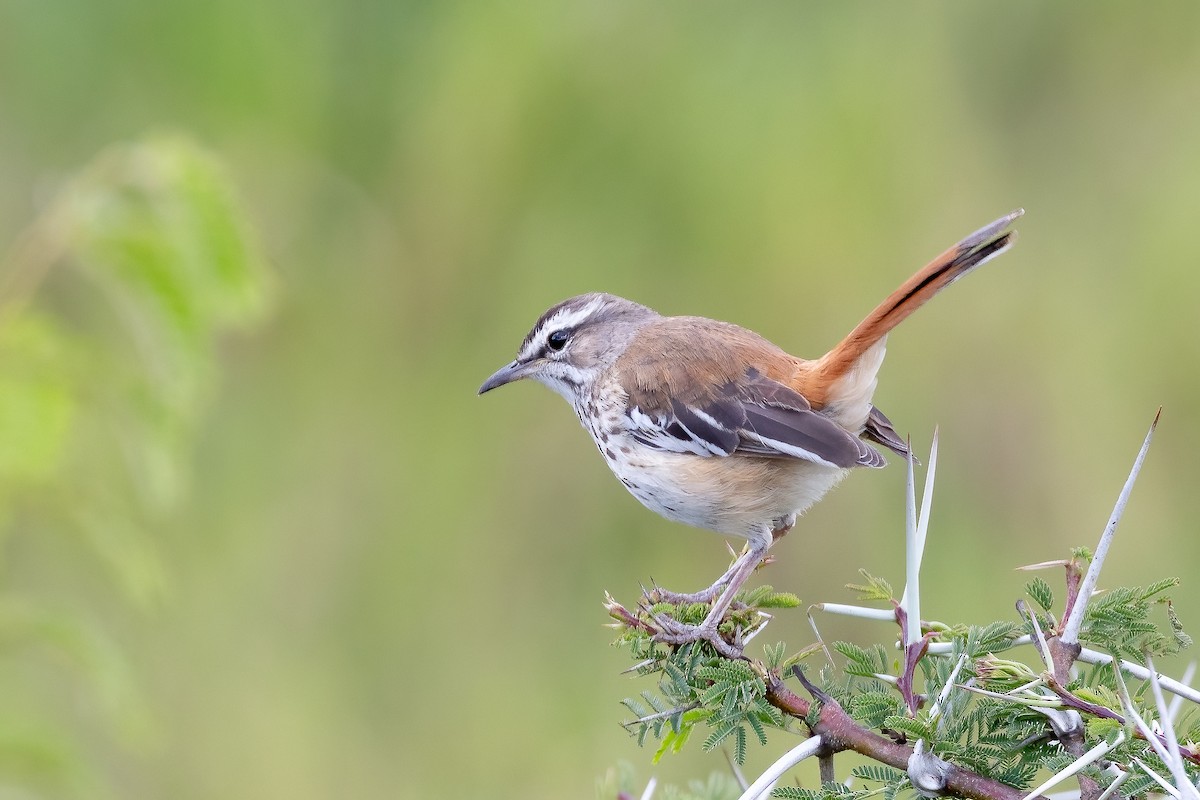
[{"x": 574, "y": 342}]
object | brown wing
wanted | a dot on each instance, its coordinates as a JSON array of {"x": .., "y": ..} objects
[{"x": 693, "y": 392}]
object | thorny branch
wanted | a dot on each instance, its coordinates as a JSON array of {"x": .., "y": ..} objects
[
  {"x": 840, "y": 732},
  {"x": 834, "y": 730}
]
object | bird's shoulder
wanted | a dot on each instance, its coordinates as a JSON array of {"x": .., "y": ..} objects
[{"x": 690, "y": 358}]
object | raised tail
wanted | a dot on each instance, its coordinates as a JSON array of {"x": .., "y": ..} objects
[{"x": 978, "y": 248}]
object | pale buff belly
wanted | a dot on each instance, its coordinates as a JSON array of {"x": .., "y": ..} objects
[{"x": 736, "y": 495}]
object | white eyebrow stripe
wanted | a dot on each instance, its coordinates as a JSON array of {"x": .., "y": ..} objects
[
  {"x": 570, "y": 317},
  {"x": 566, "y": 318}
]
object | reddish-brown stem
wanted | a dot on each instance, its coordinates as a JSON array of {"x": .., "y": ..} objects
[
  {"x": 841, "y": 732},
  {"x": 1074, "y": 577},
  {"x": 1079, "y": 704},
  {"x": 913, "y": 653}
]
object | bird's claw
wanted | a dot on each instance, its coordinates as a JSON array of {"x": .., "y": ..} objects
[
  {"x": 661, "y": 595},
  {"x": 672, "y": 631}
]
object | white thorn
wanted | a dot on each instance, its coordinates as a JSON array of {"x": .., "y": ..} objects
[
  {"x": 936, "y": 708},
  {"x": 1043, "y": 646},
  {"x": 862, "y": 612},
  {"x": 1070, "y": 634},
  {"x": 1112, "y": 787},
  {"x": 1131, "y": 712},
  {"x": 914, "y": 540},
  {"x": 1177, "y": 700},
  {"x": 1163, "y": 782},
  {"x": 1095, "y": 754},
  {"x": 1178, "y": 772},
  {"x": 806, "y": 749},
  {"x": 1141, "y": 673}
]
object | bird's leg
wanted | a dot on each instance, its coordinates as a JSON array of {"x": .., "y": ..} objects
[
  {"x": 660, "y": 595},
  {"x": 779, "y": 528},
  {"x": 674, "y": 632}
]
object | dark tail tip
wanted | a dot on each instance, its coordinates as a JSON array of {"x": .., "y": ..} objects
[
  {"x": 985, "y": 244},
  {"x": 990, "y": 230}
]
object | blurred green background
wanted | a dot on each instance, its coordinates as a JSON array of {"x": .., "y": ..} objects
[{"x": 376, "y": 584}]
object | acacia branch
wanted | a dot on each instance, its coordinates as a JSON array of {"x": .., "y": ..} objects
[{"x": 838, "y": 731}]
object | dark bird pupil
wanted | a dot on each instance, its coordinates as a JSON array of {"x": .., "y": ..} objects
[{"x": 557, "y": 340}]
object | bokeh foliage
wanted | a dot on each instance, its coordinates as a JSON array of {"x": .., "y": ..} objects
[
  {"x": 114, "y": 301},
  {"x": 354, "y": 530}
]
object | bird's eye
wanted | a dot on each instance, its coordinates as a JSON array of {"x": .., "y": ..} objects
[{"x": 558, "y": 339}]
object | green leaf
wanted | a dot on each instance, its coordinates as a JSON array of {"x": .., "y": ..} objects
[
  {"x": 872, "y": 708},
  {"x": 720, "y": 734},
  {"x": 796, "y": 793},
  {"x": 756, "y": 725},
  {"x": 855, "y": 654},
  {"x": 103, "y": 388},
  {"x": 879, "y": 773},
  {"x": 663, "y": 746},
  {"x": 1158, "y": 587},
  {"x": 773, "y": 654},
  {"x": 874, "y": 589},
  {"x": 780, "y": 600},
  {"x": 638, "y": 710},
  {"x": 915, "y": 728},
  {"x": 38, "y": 399},
  {"x": 994, "y": 637},
  {"x": 1041, "y": 592},
  {"x": 739, "y": 745}
]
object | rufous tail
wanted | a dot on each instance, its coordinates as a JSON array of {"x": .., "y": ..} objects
[{"x": 978, "y": 248}]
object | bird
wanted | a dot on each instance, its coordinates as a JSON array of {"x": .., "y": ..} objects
[{"x": 710, "y": 424}]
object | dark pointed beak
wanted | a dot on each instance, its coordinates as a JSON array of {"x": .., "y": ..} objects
[{"x": 506, "y": 374}]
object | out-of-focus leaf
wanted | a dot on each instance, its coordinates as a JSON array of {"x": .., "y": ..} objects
[
  {"x": 102, "y": 387},
  {"x": 160, "y": 232},
  {"x": 37, "y": 756},
  {"x": 37, "y": 403},
  {"x": 86, "y": 650}
]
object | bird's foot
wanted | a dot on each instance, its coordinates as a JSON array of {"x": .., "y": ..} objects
[
  {"x": 672, "y": 631},
  {"x": 658, "y": 594}
]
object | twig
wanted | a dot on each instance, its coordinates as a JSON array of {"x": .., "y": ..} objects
[
  {"x": 1073, "y": 701},
  {"x": 1030, "y": 701},
  {"x": 841, "y": 732},
  {"x": 825, "y": 765}
]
